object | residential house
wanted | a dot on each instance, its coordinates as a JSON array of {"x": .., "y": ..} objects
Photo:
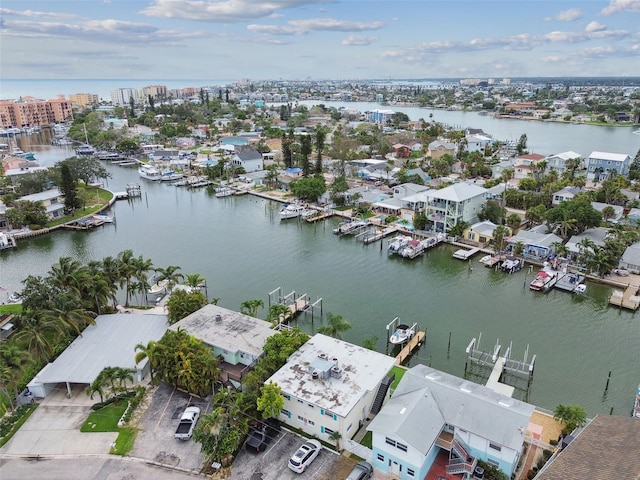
[
  {"x": 439, "y": 148},
  {"x": 596, "y": 235},
  {"x": 478, "y": 142},
  {"x": 237, "y": 339},
  {"x": 603, "y": 165},
  {"x": 567, "y": 193},
  {"x": 558, "y": 162},
  {"x": 602, "y": 450},
  {"x": 537, "y": 246},
  {"x": 525, "y": 165},
  {"x": 416, "y": 147},
  {"x": 618, "y": 211},
  {"x": 52, "y": 200},
  {"x": 631, "y": 258},
  {"x": 480, "y": 233},
  {"x": 460, "y": 202},
  {"x": 498, "y": 168},
  {"x": 250, "y": 160},
  {"x": 400, "y": 150},
  {"x": 330, "y": 386},
  {"x": 432, "y": 413}
]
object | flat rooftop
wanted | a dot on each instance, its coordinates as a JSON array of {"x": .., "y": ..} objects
[{"x": 361, "y": 370}]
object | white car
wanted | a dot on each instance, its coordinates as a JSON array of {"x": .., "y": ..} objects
[{"x": 304, "y": 456}]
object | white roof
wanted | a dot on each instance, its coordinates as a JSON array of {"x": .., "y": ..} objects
[
  {"x": 617, "y": 157},
  {"x": 362, "y": 372},
  {"x": 39, "y": 197},
  {"x": 458, "y": 192},
  {"x": 235, "y": 332},
  {"x": 109, "y": 343},
  {"x": 566, "y": 155}
]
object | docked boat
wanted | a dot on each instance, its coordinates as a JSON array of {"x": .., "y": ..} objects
[
  {"x": 104, "y": 217},
  {"x": 397, "y": 243},
  {"x": 224, "y": 192},
  {"x": 85, "y": 150},
  {"x": 569, "y": 282},
  {"x": 158, "y": 287},
  {"x": 15, "y": 297},
  {"x": 149, "y": 172},
  {"x": 512, "y": 264},
  {"x": 544, "y": 281},
  {"x": 350, "y": 226},
  {"x": 170, "y": 176},
  {"x": 6, "y": 241},
  {"x": 413, "y": 249},
  {"x": 636, "y": 405},
  {"x": 291, "y": 210},
  {"x": 403, "y": 334},
  {"x": 580, "y": 289}
]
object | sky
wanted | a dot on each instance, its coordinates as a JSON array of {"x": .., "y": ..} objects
[{"x": 317, "y": 39}]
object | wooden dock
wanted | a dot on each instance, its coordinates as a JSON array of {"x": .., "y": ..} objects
[
  {"x": 627, "y": 299},
  {"x": 464, "y": 254},
  {"x": 411, "y": 345},
  {"x": 299, "y": 305},
  {"x": 321, "y": 216}
]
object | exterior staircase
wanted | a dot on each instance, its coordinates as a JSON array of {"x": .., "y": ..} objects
[
  {"x": 464, "y": 463},
  {"x": 382, "y": 393}
]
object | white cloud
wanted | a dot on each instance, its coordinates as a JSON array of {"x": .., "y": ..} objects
[
  {"x": 222, "y": 11},
  {"x": 358, "y": 40},
  {"x": 621, "y": 6},
  {"x": 566, "y": 15},
  {"x": 591, "y": 53},
  {"x": 32, "y": 13},
  {"x": 275, "y": 29},
  {"x": 335, "y": 25},
  {"x": 595, "y": 27}
]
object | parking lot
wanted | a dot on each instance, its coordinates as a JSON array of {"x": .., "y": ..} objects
[
  {"x": 272, "y": 463},
  {"x": 157, "y": 426}
]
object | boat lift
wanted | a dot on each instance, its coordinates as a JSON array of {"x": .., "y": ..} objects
[
  {"x": 296, "y": 303},
  {"x": 504, "y": 371}
]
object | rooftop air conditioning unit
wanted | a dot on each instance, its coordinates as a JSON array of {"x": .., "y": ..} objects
[
  {"x": 315, "y": 375},
  {"x": 336, "y": 372},
  {"x": 218, "y": 318}
]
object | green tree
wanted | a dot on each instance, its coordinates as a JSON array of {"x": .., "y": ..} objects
[
  {"x": 492, "y": 211},
  {"x": 500, "y": 234},
  {"x": 270, "y": 401},
  {"x": 278, "y": 313},
  {"x": 513, "y": 220},
  {"x": 309, "y": 188},
  {"x": 335, "y": 326},
  {"x": 85, "y": 168},
  {"x": 171, "y": 274},
  {"x": 147, "y": 351},
  {"x": 68, "y": 188},
  {"x": 521, "y": 146},
  {"x": 250, "y": 307},
  {"x": 572, "y": 416},
  {"x": 182, "y": 303}
]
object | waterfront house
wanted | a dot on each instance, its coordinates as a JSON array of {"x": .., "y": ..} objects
[
  {"x": 460, "y": 202},
  {"x": 439, "y": 148},
  {"x": 480, "y": 233},
  {"x": 604, "y": 449},
  {"x": 432, "y": 413},
  {"x": 558, "y": 161},
  {"x": 250, "y": 160},
  {"x": 604, "y": 165},
  {"x": 330, "y": 385},
  {"x": 478, "y": 142},
  {"x": 52, "y": 200},
  {"x": 399, "y": 150},
  {"x": 567, "y": 193},
  {"x": 596, "y": 235},
  {"x": 537, "y": 246},
  {"x": 498, "y": 168},
  {"x": 235, "y": 338},
  {"x": 631, "y": 258}
]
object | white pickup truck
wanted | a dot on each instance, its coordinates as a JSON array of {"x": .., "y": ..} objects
[{"x": 187, "y": 424}]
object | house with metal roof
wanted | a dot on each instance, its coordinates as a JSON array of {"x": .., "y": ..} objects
[
  {"x": 110, "y": 342},
  {"x": 460, "y": 202},
  {"x": 537, "y": 246},
  {"x": 558, "y": 161},
  {"x": 565, "y": 194},
  {"x": 250, "y": 160},
  {"x": 432, "y": 413},
  {"x": 603, "y": 165},
  {"x": 237, "y": 339},
  {"x": 330, "y": 385},
  {"x": 631, "y": 258},
  {"x": 52, "y": 200},
  {"x": 480, "y": 233},
  {"x": 596, "y": 235}
]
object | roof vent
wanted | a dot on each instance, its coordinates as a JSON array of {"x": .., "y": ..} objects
[
  {"x": 218, "y": 318},
  {"x": 323, "y": 356},
  {"x": 336, "y": 372},
  {"x": 315, "y": 375},
  {"x": 335, "y": 361}
]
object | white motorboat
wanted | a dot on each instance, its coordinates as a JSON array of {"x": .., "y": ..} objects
[
  {"x": 291, "y": 210},
  {"x": 398, "y": 243},
  {"x": 544, "y": 281},
  {"x": 170, "y": 176},
  {"x": 158, "y": 287},
  {"x": 85, "y": 150},
  {"x": 580, "y": 289},
  {"x": 149, "y": 172},
  {"x": 403, "y": 334},
  {"x": 15, "y": 297},
  {"x": 224, "y": 192},
  {"x": 104, "y": 217}
]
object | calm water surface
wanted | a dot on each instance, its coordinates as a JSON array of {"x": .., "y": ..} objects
[{"x": 244, "y": 251}]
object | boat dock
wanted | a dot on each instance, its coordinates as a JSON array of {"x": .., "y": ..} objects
[
  {"x": 295, "y": 303},
  {"x": 464, "y": 254},
  {"x": 374, "y": 235},
  {"x": 627, "y": 299},
  {"x": 322, "y": 215},
  {"x": 569, "y": 281},
  {"x": 492, "y": 261},
  {"x": 410, "y": 346}
]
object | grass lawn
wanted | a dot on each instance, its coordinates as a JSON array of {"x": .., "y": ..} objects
[
  {"x": 10, "y": 309},
  {"x": 367, "y": 440},
  {"x": 106, "y": 420},
  {"x": 398, "y": 372}
]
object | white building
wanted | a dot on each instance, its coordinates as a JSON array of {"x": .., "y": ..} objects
[
  {"x": 460, "y": 202},
  {"x": 558, "y": 161},
  {"x": 122, "y": 96},
  {"x": 250, "y": 160},
  {"x": 330, "y": 386}
]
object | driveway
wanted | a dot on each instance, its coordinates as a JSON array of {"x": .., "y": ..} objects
[
  {"x": 54, "y": 428},
  {"x": 155, "y": 439}
]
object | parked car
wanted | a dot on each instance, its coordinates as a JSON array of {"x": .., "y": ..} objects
[
  {"x": 362, "y": 471},
  {"x": 304, "y": 456},
  {"x": 188, "y": 422},
  {"x": 261, "y": 434}
]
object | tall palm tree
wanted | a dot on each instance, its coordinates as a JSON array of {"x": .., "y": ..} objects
[
  {"x": 40, "y": 333},
  {"x": 171, "y": 273},
  {"x": 149, "y": 352},
  {"x": 250, "y": 307},
  {"x": 194, "y": 280},
  {"x": 73, "y": 320},
  {"x": 335, "y": 326},
  {"x": 67, "y": 275},
  {"x": 126, "y": 272}
]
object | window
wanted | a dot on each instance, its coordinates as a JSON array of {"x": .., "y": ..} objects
[
  {"x": 311, "y": 422},
  {"x": 401, "y": 447},
  {"x": 390, "y": 441},
  {"x": 327, "y": 413},
  {"x": 300, "y": 401},
  {"x": 301, "y": 418},
  {"x": 310, "y": 405},
  {"x": 287, "y": 397},
  {"x": 495, "y": 447},
  {"x": 328, "y": 431},
  {"x": 349, "y": 427},
  {"x": 493, "y": 463},
  {"x": 381, "y": 457},
  {"x": 410, "y": 472},
  {"x": 286, "y": 413}
]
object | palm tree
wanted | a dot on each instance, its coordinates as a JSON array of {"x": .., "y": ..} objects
[
  {"x": 122, "y": 375},
  {"x": 560, "y": 248},
  {"x": 95, "y": 387},
  {"x": 171, "y": 274},
  {"x": 250, "y": 307},
  {"x": 150, "y": 352},
  {"x": 67, "y": 275},
  {"x": 335, "y": 326},
  {"x": 194, "y": 280},
  {"x": 40, "y": 333},
  {"x": 73, "y": 320},
  {"x": 500, "y": 234},
  {"x": 126, "y": 272}
]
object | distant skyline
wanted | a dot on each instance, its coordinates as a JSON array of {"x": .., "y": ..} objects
[{"x": 317, "y": 39}]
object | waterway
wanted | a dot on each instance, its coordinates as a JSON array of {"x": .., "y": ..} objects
[{"x": 245, "y": 251}]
